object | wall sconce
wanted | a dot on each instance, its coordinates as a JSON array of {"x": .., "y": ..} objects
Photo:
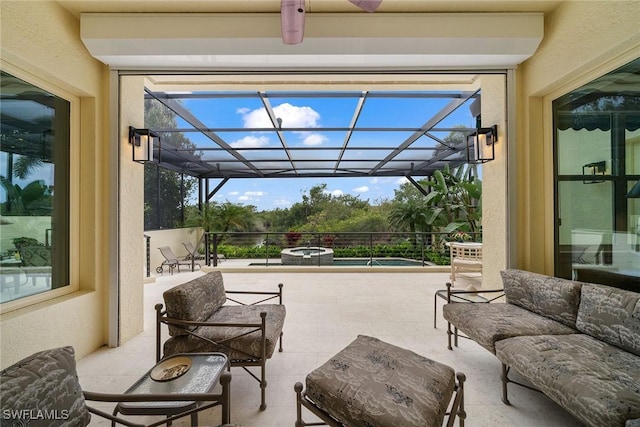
[
  {"x": 142, "y": 142},
  {"x": 592, "y": 170},
  {"x": 480, "y": 144}
]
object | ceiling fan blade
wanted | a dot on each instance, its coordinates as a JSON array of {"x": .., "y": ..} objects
[
  {"x": 367, "y": 5},
  {"x": 292, "y": 21}
]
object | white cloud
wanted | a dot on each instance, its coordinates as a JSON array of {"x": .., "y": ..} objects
[
  {"x": 251, "y": 141},
  {"x": 334, "y": 193},
  {"x": 292, "y": 116},
  {"x": 362, "y": 189},
  {"x": 401, "y": 181},
  {"x": 281, "y": 202},
  {"x": 234, "y": 193},
  {"x": 243, "y": 198},
  {"x": 313, "y": 138},
  {"x": 254, "y": 193}
]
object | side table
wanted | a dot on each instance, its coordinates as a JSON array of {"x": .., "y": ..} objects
[{"x": 203, "y": 375}]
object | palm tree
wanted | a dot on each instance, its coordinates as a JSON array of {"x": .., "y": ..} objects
[
  {"x": 223, "y": 218},
  {"x": 411, "y": 214},
  {"x": 232, "y": 217}
]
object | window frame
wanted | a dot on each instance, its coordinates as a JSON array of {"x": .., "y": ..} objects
[
  {"x": 73, "y": 181},
  {"x": 612, "y": 178}
]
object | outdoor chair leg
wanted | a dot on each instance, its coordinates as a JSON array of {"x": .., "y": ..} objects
[
  {"x": 263, "y": 386},
  {"x": 505, "y": 379}
]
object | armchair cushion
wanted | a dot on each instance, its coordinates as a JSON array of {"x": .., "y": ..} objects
[
  {"x": 44, "y": 387},
  {"x": 249, "y": 343},
  {"x": 552, "y": 297},
  {"x": 195, "y": 300}
]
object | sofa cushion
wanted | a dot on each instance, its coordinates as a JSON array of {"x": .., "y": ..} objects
[
  {"x": 195, "y": 300},
  {"x": 488, "y": 323},
  {"x": 611, "y": 315},
  {"x": 552, "y": 297},
  {"x": 248, "y": 343},
  {"x": 43, "y": 390},
  {"x": 372, "y": 383},
  {"x": 596, "y": 382}
]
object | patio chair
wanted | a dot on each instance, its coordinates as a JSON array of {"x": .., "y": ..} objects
[
  {"x": 465, "y": 257},
  {"x": 43, "y": 390},
  {"x": 173, "y": 261}
]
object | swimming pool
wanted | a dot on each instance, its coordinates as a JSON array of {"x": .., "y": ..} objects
[
  {"x": 362, "y": 262},
  {"x": 385, "y": 262}
]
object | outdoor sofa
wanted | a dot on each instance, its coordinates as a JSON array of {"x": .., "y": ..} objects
[
  {"x": 199, "y": 320},
  {"x": 578, "y": 343}
]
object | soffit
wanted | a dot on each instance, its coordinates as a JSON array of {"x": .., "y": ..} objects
[{"x": 312, "y": 6}]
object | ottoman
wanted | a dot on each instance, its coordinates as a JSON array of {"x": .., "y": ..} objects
[{"x": 371, "y": 383}]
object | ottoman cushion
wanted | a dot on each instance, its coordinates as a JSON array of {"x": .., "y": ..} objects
[{"x": 374, "y": 384}]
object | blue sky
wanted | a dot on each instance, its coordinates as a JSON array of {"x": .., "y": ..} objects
[{"x": 272, "y": 193}]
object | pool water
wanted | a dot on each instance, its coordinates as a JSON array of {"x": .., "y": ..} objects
[
  {"x": 397, "y": 262},
  {"x": 364, "y": 262}
]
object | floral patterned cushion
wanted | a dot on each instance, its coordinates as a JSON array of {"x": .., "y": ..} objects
[
  {"x": 371, "y": 383},
  {"x": 596, "y": 382},
  {"x": 488, "y": 323},
  {"x": 611, "y": 315},
  {"x": 43, "y": 390},
  {"x": 249, "y": 343},
  {"x": 552, "y": 297},
  {"x": 195, "y": 300}
]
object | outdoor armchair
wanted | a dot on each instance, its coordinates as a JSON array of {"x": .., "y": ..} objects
[{"x": 200, "y": 319}]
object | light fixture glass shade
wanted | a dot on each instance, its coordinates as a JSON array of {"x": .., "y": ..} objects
[
  {"x": 634, "y": 193},
  {"x": 292, "y": 21},
  {"x": 480, "y": 145},
  {"x": 367, "y": 5},
  {"x": 142, "y": 142}
]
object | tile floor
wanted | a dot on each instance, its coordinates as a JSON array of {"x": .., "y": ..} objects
[{"x": 325, "y": 312}]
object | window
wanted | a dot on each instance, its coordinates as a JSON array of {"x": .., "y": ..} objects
[
  {"x": 597, "y": 164},
  {"x": 34, "y": 197}
]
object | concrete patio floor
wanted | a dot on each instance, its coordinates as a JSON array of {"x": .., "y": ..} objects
[{"x": 325, "y": 312}]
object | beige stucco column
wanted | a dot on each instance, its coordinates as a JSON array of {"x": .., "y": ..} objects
[
  {"x": 131, "y": 213},
  {"x": 494, "y": 183}
]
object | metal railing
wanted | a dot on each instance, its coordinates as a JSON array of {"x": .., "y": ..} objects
[{"x": 371, "y": 249}]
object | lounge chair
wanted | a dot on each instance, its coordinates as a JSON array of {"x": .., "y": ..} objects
[
  {"x": 173, "y": 261},
  {"x": 198, "y": 256}
]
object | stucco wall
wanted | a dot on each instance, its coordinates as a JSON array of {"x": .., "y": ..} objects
[
  {"x": 494, "y": 183},
  {"x": 582, "y": 41},
  {"x": 131, "y": 212},
  {"x": 41, "y": 41}
]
